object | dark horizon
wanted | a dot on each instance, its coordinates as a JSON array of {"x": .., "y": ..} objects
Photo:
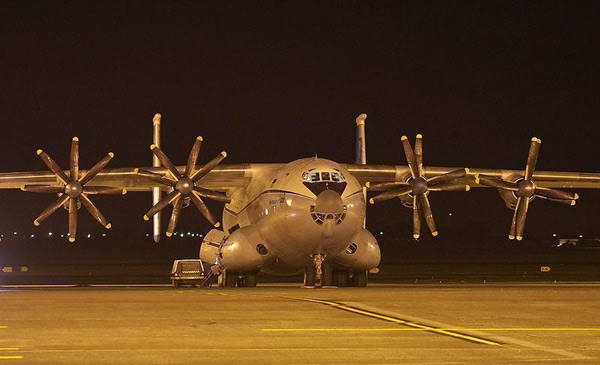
[{"x": 274, "y": 84}]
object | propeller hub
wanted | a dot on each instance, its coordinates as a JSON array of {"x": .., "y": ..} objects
[
  {"x": 419, "y": 185},
  {"x": 185, "y": 185},
  {"x": 526, "y": 188},
  {"x": 73, "y": 189}
]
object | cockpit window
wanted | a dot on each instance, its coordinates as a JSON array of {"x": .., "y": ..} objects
[{"x": 315, "y": 176}]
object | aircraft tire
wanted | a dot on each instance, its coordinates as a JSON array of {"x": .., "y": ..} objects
[
  {"x": 328, "y": 278},
  {"x": 250, "y": 280},
  {"x": 359, "y": 279},
  {"x": 229, "y": 281},
  {"x": 310, "y": 276},
  {"x": 341, "y": 278}
]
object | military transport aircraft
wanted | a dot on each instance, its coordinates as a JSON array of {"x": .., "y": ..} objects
[{"x": 285, "y": 218}]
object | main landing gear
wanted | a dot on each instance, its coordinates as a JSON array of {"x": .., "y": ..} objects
[{"x": 233, "y": 279}]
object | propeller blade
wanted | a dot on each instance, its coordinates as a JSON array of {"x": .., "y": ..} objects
[
  {"x": 72, "y": 219},
  {"x": 53, "y": 166},
  {"x": 521, "y": 217},
  {"x": 51, "y": 209},
  {"x": 95, "y": 212},
  {"x": 209, "y": 166},
  {"x": 497, "y": 183},
  {"x": 449, "y": 186},
  {"x": 91, "y": 173},
  {"x": 534, "y": 150},
  {"x": 426, "y": 208},
  {"x": 193, "y": 157},
  {"x": 410, "y": 158},
  {"x": 203, "y": 209},
  {"x": 513, "y": 223},
  {"x": 205, "y": 193},
  {"x": 385, "y": 185},
  {"x": 43, "y": 189},
  {"x": 403, "y": 190},
  {"x": 164, "y": 160},
  {"x": 74, "y": 161},
  {"x": 447, "y": 177},
  {"x": 555, "y": 194},
  {"x": 162, "y": 204},
  {"x": 155, "y": 177},
  {"x": 562, "y": 201},
  {"x": 416, "y": 219},
  {"x": 419, "y": 154},
  {"x": 104, "y": 190},
  {"x": 174, "y": 216}
]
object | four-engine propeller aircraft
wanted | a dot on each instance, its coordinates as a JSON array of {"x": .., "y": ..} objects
[{"x": 284, "y": 218}]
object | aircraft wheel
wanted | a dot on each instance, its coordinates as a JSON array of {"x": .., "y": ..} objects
[
  {"x": 342, "y": 278},
  {"x": 310, "y": 276},
  {"x": 327, "y": 279},
  {"x": 359, "y": 279},
  {"x": 229, "y": 279},
  {"x": 250, "y": 280}
]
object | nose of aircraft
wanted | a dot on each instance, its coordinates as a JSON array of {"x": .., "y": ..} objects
[{"x": 329, "y": 202}]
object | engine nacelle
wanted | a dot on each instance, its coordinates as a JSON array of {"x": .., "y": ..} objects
[
  {"x": 245, "y": 250},
  {"x": 210, "y": 246},
  {"x": 362, "y": 253}
]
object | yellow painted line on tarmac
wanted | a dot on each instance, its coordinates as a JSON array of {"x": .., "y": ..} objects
[
  {"x": 12, "y": 357},
  {"x": 9, "y": 349},
  {"x": 423, "y": 329},
  {"x": 419, "y": 326},
  {"x": 1, "y": 327}
]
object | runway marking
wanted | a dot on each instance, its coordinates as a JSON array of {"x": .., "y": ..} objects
[
  {"x": 422, "y": 327},
  {"x": 9, "y": 349},
  {"x": 11, "y": 357},
  {"x": 1, "y": 327}
]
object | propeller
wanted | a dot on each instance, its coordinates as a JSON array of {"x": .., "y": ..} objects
[
  {"x": 184, "y": 185},
  {"x": 525, "y": 190},
  {"x": 72, "y": 189},
  {"x": 418, "y": 186}
]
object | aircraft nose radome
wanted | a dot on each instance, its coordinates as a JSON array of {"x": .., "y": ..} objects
[{"x": 329, "y": 201}]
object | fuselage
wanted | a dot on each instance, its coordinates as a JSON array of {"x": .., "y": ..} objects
[{"x": 309, "y": 206}]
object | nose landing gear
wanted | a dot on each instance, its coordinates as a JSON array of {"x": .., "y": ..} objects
[{"x": 313, "y": 275}]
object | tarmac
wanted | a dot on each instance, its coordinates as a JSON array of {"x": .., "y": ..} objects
[{"x": 286, "y": 324}]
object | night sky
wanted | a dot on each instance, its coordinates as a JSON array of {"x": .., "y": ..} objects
[{"x": 273, "y": 82}]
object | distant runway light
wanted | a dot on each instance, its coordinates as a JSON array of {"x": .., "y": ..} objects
[
  {"x": 580, "y": 236},
  {"x": 103, "y": 234},
  {"x": 32, "y": 235},
  {"x": 147, "y": 234},
  {"x": 450, "y": 214},
  {"x": 553, "y": 234},
  {"x": 89, "y": 235},
  {"x": 15, "y": 233},
  {"x": 49, "y": 233},
  {"x": 381, "y": 233},
  {"x": 181, "y": 235},
  {"x": 62, "y": 235}
]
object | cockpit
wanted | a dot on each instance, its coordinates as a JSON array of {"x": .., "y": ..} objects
[{"x": 317, "y": 176}]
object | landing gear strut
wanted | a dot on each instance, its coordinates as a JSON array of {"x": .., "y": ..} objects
[{"x": 313, "y": 275}]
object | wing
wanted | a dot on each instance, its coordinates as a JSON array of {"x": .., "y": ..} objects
[
  {"x": 224, "y": 178},
  {"x": 546, "y": 179}
]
